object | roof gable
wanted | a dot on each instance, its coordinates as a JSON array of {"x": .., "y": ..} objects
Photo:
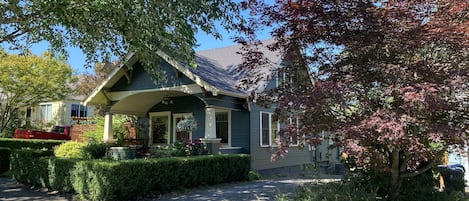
[{"x": 217, "y": 72}]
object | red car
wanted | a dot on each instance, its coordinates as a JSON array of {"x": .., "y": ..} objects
[{"x": 56, "y": 133}]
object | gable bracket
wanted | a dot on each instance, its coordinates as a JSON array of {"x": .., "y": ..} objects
[
  {"x": 128, "y": 74},
  {"x": 108, "y": 100}
]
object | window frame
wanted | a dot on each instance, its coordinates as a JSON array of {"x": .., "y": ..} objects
[
  {"x": 81, "y": 108},
  {"x": 297, "y": 131},
  {"x": 48, "y": 116},
  {"x": 229, "y": 125},
  {"x": 271, "y": 141},
  {"x": 165, "y": 114}
]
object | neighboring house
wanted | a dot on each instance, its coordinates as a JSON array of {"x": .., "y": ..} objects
[
  {"x": 225, "y": 115},
  {"x": 61, "y": 112}
]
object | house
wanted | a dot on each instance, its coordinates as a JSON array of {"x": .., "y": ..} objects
[
  {"x": 227, "y": 119},
  {"x": 65, "y": 112}
]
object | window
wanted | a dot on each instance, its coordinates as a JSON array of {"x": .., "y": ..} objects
[
  {"x": 269, "y": 129},
  {"x": 28, "y": 112},
  {"x": 159, "y": 127},
  {"x": 79, "y": 110},
  {"x": 222, "y": 126},
  {"x": 294, "y": 121},
  {"x": 45, "y": 113}
]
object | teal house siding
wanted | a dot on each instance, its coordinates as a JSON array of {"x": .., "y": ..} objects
[
  {"x": 185, "y": 104},
  {"x": 240, "y": 125},
  {"x": 261, "y": 156},
  {"x": 142, "y": 80}
]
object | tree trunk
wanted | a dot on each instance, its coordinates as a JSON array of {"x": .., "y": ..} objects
[{"x": 396, "y": 181}]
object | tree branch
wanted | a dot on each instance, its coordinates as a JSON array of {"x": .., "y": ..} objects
[
  {"x": 419, "y": 171},
  {"x": 12, "y": 35}
]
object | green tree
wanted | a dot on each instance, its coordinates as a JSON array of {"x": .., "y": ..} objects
[
  {"x": 28, "y": 80},
  {"x": 103, "y": 27}
]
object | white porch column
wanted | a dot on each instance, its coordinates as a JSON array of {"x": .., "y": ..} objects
[
  {"x": 107, "y": 137},
  {"x": 213, "y": 143},
  {"x": 210, "y": 123}
]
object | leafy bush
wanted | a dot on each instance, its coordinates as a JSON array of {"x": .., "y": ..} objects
[
  {"x": 109, "y": 180},
  {"x": 95, "y": 150},
  {"x": 253, "y": 176},
  {"x": 70, "y": 149},
  {"x": 37, "y": 168},
  {"x": 330, "y": 192},
  {"x": 29, "y": 143},
  {"x": 59, "y": 171},
  {"x": 5, "y": 158},
  {"x": 26, "y": 168},
  {"x": 421, "y": 187}
]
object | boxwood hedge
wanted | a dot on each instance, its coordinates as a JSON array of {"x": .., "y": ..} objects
[
  {"x": 126, "y": 179},
  {"x": 14, "y": 143},
  {"x": 5, "y": 158}
]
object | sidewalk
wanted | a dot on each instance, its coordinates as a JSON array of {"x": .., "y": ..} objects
[
  {"x": 10, "y": 190},
  {"x": 267, "y": 189},
  {"x": 257, "y": 190}
]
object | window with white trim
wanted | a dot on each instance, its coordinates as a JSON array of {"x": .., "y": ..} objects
[
  {"x": 294, "y": 137},
  {"x": 222, "y": 126},
  {"x": 78, "y": 110},
  {"x": 45, "y": 113},
  {"x": 269, "y": 129}
]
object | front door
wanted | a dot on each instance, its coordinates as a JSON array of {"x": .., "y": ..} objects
[
  {"x": 181, "y": 136},
  {"x": 159, "y": 128}
]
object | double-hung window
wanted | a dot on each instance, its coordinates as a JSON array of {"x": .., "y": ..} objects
[
  {"x": 269, "y": 129},
  {"x": 79, "y": 110},
  {"x": 295, "y": 136},
  {"x": 45, "y": 113}
]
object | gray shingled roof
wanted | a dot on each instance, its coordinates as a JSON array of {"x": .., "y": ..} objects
[{"x": 219, "y": 67}]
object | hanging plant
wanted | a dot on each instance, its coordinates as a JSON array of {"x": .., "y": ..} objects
[{"x": 187, "y": 124}]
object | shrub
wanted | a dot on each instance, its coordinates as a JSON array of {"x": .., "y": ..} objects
[
  {"x": 331, "y": 192},
  {"x": 95, "y": 150},
  {"x": 37, "y": 168},
  {"x": 109, "y": 180},
  {"x": 25, "y": 167},
  {"x": 59, "y": 171},
  {"x": 5, "y": 158},
  {"x": 70, "y": 149},
  {"x": 29, "y": 143},
  {"x": 253, "y": 176}
]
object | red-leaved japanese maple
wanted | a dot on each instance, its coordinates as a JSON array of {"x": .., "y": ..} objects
[{"x": 388, "y": 78}]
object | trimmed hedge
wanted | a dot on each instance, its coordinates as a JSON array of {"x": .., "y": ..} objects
[
  {"x": 26, "y": 168},
  {"x": 111, "y": 180},
  {"x": 121, "y": 180},
  {"x": 5, "y": 158},
  {"x": 14, "y": 143}
]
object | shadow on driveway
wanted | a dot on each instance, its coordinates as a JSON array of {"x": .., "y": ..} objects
[
  {"x": 10, "y": 190},
  {"x": 256, "y": 190},
  {"x": 14, "y": 191}
]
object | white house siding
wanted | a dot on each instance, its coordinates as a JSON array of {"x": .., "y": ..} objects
[{"x": 61, "y": 113}]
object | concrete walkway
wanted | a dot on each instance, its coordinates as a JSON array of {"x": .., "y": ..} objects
[
  {"x": 256, "y": 190},
  {"x": 10, "y": 190}
]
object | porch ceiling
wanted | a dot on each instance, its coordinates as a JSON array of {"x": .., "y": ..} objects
[{"x": 140, "y": 103}]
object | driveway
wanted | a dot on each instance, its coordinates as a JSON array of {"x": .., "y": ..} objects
[{"x": 255, "y": 190}]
